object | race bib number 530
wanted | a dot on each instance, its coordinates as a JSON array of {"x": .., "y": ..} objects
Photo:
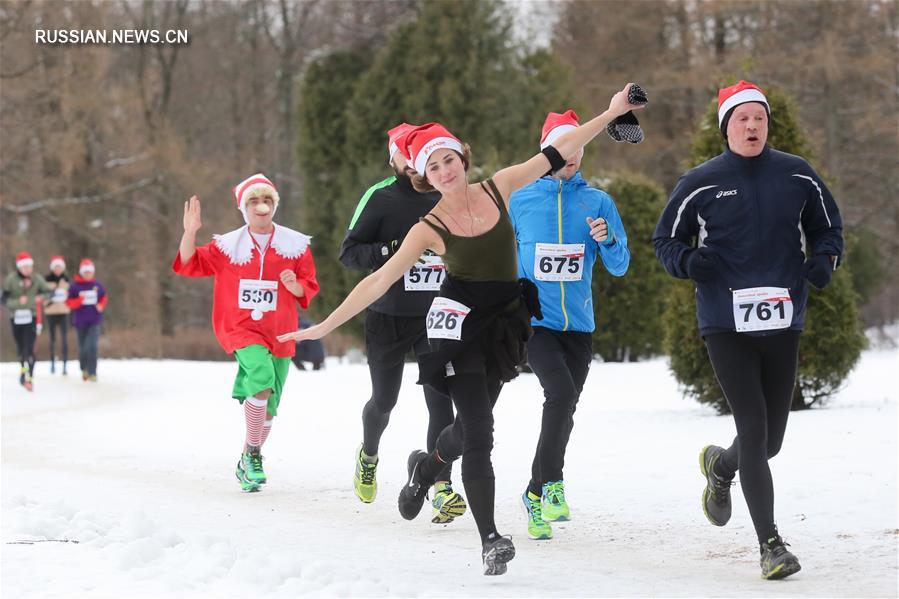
[
  {"x": 559, "y": 261},
  {"x": 426, "y": 275},
  {"x": 445, "y": 319},
  {"x": 255, "y": 294},
  {"x": 762, "y": 309}
]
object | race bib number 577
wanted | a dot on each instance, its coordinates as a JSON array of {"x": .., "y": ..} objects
[
  {"x": 762, "y": 309},
  {"x": 425, "y": 275},
  {"x": 445, "y": 318}
]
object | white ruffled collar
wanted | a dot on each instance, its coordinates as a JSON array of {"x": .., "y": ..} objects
[{"x": 238, "y": 245}]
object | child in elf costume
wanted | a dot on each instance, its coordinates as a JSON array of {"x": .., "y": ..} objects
[{"x": 262, "y": 272}]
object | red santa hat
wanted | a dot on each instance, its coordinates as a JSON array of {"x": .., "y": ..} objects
[
  {"x": 86, "y": 265},
  {"x": 250, "y": 187},
  {"x": 393, "y": 136},
  {"x": 57, "y": 261},
  {"x": 422, "y": 141},
  {"x": 24, "y": 259},
  {"x": 739, "y": 93},
  {"x": 556, "y": 125}
]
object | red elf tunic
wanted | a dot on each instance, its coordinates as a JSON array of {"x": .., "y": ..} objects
[{"x": 248, "y": 286}]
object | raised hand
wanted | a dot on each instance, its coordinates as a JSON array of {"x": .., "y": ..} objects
[
  {"x": 192, "y": 220},
  {"x": 620, "y": 103}
]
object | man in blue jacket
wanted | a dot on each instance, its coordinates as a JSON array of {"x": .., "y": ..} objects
[
  {"x": 764, "y": 223},
  {"x": 562, "y": 226}
]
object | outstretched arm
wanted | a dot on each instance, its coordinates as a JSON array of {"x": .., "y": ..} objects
[
  {"x": 419, "y": 239},
  {"x": 514, "y": 177}
]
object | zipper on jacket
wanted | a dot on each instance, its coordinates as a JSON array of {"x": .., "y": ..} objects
[{"x": 561, "y": 283}]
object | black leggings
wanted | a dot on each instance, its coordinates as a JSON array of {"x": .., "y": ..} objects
[
  {"x": 60, "y": 322},
  {"x": 757, "y": 376},
  {"x": 470, "y": 436},
  {"x": 561, "y": 360},
  {"x": 25, "y": 335}
]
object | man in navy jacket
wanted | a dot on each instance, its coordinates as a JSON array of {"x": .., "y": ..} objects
[{"x": 764, "y": 224}]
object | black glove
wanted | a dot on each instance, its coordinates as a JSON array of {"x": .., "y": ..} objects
[
  {"x": 626, "y": 127},
  {"x": 388, "y": 249},
  {"x": 701, "y": 264},
  {"x": 819, "y": 270}
]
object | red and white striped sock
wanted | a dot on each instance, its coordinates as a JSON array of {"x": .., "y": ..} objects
[
  {"x": 254, "y": 411},
  {"x": 266, "y": 429}
]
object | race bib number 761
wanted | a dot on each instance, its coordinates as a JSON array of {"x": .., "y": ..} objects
[{"x": 762, "y": 309}]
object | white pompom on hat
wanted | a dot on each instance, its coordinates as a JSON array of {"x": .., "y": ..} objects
[
  {"x": 738, "y": 93},
  {"x": 250, "y": 187}
]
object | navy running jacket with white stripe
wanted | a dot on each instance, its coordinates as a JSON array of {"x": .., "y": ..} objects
[{"x": 761, "y": 217}]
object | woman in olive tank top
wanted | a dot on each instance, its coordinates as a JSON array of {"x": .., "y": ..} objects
[{"x": 478, "y": 323}]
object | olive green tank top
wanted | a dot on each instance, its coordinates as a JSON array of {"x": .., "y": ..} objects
[{"x": 491, "y": 256}]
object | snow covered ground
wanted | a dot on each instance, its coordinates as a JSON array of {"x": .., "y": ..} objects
[{"x": 138, "y": 469}]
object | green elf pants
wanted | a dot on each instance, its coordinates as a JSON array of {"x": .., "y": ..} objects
[{"x": 259, "y": 370}]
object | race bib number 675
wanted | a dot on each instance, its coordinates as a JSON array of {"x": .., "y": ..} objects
[
  {"x": 559, "y": 261},
  {"x": 762, "y": 309},
  {"x": 445, "y": 318}
]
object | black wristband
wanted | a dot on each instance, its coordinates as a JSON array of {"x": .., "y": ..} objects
[{"x": 556, "y": 162}]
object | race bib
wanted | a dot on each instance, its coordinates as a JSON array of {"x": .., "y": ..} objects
[
  {"x": 445, "y": 319},
  {"x": 89, "y": 297},
  {"x": 559, "y": 261},
  {"x": 426, "y": 275},
  {"x": 22, "y": 317},
  {"x": 59, "y": 295},
  {"x": 256, "y": 294},
  {"x": 762, "y": 309}
]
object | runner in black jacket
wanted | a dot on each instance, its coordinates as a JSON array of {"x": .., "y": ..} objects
[
  {"x": 395, "y": 323},
  {"x": 765, "y": 223}
]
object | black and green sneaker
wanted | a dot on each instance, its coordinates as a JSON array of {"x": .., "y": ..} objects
[
  {"x": 716, "y": 504},
  {"x": 243, "y": 466},
  {"x": 776, "y": 561}
]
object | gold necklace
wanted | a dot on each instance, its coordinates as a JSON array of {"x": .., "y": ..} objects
[{"x": 461, "y": 228}]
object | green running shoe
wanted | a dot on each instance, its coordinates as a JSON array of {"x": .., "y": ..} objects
[
  {"x": 538, "y": 528},
  {"x": 555, "y": 508},
  {"x": 365, "y": 483},
  {"x": 716, "y": 504},
  {"x": 252, "y": 465},
  {"x": 448, "y": 505},
  {"x": 776, "y": 561},
  {"x": 241, "y": 473}
]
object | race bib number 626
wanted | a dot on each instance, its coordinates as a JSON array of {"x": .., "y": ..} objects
[
  {"x": 445, "y": 318},
  {"x": 762, "y": 309}
]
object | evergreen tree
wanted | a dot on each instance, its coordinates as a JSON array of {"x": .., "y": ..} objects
[
  {"x": 628, "y": 309},
  {"x": 832, "y": 341},
  {"x": 327, "y": 88}
]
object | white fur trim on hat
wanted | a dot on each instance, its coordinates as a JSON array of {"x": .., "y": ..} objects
[
  {"x": 438, "y": 143},
  {"x": 57, "y": 262},
  {"x": 556, "y": 134},
  {"x": 24, "y": 262},
  {"x": 250, "y": 187},
  {"x": 741, "y": 97}
]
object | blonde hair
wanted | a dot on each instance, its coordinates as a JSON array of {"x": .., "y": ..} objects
[{"x": 420, "y": 181}]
